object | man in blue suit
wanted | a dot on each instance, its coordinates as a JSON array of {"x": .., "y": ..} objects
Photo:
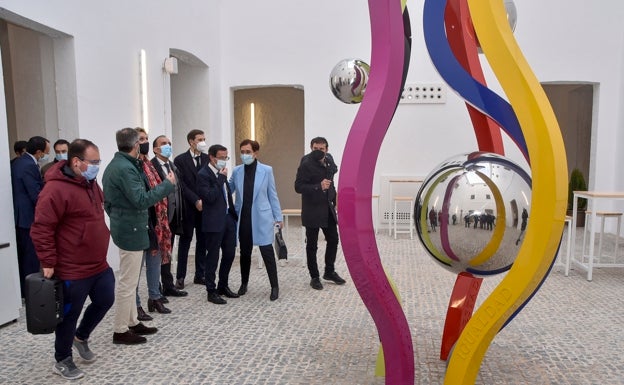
[
  {"x": 27, "y": 183},
  {"x": 258, "y": 209},
  {"x": 218, "y": 223}
]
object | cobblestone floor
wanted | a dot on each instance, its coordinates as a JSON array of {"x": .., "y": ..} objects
[{"x": 570, "y": 333}]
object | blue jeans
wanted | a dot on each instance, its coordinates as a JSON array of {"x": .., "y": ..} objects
[
  {"x": 152, "y": 274},
  {"x": 101, "y": 289}
]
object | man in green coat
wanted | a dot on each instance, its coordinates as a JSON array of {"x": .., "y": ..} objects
[{"x": 127, "y": 200}]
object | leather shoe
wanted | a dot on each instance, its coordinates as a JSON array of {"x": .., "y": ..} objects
[
  {"x": 128, "y": 338},
  {"x": 242, "y": 290},
  {"x": 316, "y": 284},
  {"x": 274, "y": 293},
  {"x": 227, "y": 292},
  {"x": 216, "y": 299},
  {"x": 163, "y": 299},
  {"x": 173, "y": 292},
  {"x": 142, "y": 315},
  {"x": 179, "y": 284},
  {"x": 155, "y": 304},
  {"x": 142, "y": 330},
  {"x": 334, "y": 277},
  {"x": 199, "y": 281}
]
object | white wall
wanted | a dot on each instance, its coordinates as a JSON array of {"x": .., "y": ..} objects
[
  {"x": 562, "y": 41},
  {"x": 274, "y": 42}
]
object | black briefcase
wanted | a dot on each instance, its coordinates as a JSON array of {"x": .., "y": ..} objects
[{"x": 44, "y": 303}]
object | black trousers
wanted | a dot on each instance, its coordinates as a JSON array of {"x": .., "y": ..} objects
[
  {"x": 226, "y": 241},
  {"x": 192, "y": 224},
  {"x": 331, "y": 236},
  {"x": 27, "y": 260},
  {"x": 268, "y": 256}
]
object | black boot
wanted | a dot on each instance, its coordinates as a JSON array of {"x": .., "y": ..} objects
[
  {"x": 154, "y": 304},
  {"x": 274, "y": 293},
  {"x": 142, "y": 315}
]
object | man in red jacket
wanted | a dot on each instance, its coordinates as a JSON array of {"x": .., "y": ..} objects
[{"x": 71, "y": 240}]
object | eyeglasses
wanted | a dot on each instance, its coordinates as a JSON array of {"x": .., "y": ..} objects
[
  {"x": 225, "y": 158},
  {"x": 95, "y": 162}
]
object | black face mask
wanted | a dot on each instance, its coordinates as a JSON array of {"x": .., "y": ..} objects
[
  {"x": 317, "y": 154},
  {"x": 144, "y": 148}
]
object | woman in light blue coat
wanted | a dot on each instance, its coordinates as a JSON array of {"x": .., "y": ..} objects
[{"x": 258, "y": 209}]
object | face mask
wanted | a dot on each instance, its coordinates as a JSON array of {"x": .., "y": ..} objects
[
  {"x": 166, "y": 150},
  {"x": 220, "y": 164},
  {"x": 44, "y": 158},
  {"x": 144, "y": 148},
  {"x": 60, "y": 157},
  {"x": 317, "y": 154},
  {"x": 247, "y": 159},
  {"x": 202, "y": 147},
  {"x": 92, "y": 171}
]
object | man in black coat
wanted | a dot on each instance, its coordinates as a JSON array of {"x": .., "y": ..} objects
[
  {"x": 162, "y": 163},
  {"x": 189, "y": 163},
  {"x": 315, "y": 183}
]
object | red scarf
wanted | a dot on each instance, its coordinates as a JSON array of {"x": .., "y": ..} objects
[{"x": 162, "y": 230}]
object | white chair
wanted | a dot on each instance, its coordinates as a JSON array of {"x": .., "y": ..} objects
[
  {"x": 566, "y": 264},
  {"x": 401, "y": 200},
  {"x": 603, "y": 215}
]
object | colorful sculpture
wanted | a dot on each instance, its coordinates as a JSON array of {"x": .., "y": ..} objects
[{"x": 528, "y": 120}]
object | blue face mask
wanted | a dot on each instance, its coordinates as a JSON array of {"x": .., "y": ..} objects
[
  {"x": 60, "y": 157},
  {"x": 247, "y": 159},
  {"x": 92, "y": 171},
  {"x": 220, "y": 164},
  {"x": 44, "y": 158},
  {"x": 166, "y": 150}
]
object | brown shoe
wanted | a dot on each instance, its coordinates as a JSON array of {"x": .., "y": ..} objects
[
  {"x": 142, "y": 329},
  {"x": 142, "y": 315},
  {"x": 128, "y": 338}
]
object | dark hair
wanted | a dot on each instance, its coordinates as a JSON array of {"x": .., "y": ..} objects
[
  {"x": 212, "y": 151},
  {"x": 126, "y": 139},
  {"x": 36, "y": 143},
  {"x": 78, "y": 147},
  {"x": 60, "y": 141},
  {"x": 156, "y": 140},
  {"x": 192, "y": 134},
  {"x": 20, "y": 146},
  {"x": 255, "y": 146},
  {"x": 319, "y": 140}
]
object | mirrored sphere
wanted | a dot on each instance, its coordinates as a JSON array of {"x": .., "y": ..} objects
[
  {"x": 469, "y": 213},
  {"x": 348, "y": 80}
]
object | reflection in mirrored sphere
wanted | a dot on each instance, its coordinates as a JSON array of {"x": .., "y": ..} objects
[
  {"x": 348, "y": 80},
  {"x": 469, "y": 213}
]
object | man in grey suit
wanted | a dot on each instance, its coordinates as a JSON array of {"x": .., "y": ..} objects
[{"x": 163, "y": 164}]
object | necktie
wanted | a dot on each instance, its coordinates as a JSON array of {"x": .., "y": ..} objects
[
  {"x": 168, "y": 168},
  {"x": 197, "y": 162}
]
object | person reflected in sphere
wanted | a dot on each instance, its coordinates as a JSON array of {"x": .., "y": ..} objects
[{"x": 523, "y": 225}]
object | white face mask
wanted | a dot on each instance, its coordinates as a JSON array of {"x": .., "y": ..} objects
[
  {"x": 202, "y": 147},
  {"x": 220, "y": 164}
]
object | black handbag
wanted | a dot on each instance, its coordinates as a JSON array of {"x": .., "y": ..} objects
[{"x": 280, "y": 245}]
